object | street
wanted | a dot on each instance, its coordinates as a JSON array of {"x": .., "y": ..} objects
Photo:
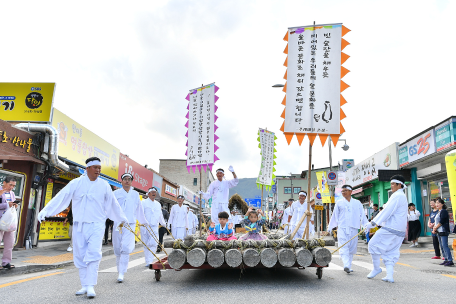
[{"x": 415, "y": 272}]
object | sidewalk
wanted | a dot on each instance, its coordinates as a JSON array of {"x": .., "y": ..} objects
[{"x": 47, "y": 257}]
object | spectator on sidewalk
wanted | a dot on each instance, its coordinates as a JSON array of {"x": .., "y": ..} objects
[
  {"x": 69, "y": 219},
  {"x": 414, "y": 227},
  {"x": 431, "y": 223},
  {"x": 7, "y": 200},
  {"x": 108, "y": 226},
  {"x": 442, "y": 228},
  {"x": 375, "y": 212}
]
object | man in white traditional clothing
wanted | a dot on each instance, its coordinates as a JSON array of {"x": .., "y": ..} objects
[
  {"x": 178, "y": 219},
  {"x": 219, "y": 191},
  {"x": 154, "y": 215},
  {"x": 286, "y": 213},
  {"x": 298, "y": 209},
  {"x": 92, "y": 202},
  {"x": 387, "y": 241},
  {"x": 191, "y": 220},
  {"x": 348, "y": 217},
  {"x": 124, "y": 241}
]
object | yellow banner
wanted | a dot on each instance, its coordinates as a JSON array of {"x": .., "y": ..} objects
[
  {"x": 48, "y": 197},
  {"x": 78, "y": 143},
  {"x": 50, "y": 230},
  {"x": 26, "y": 101},
  {"x": 323, "y": 187},
  {"x": 450, "y": 160}
]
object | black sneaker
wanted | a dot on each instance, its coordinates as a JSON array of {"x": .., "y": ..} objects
[{"x": 449, "y": 263}]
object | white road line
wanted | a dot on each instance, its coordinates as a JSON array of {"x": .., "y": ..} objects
[
  {"x": 131, "y": 264},
  {"x": 333, "y": 266},
  {"x": 368, "y": 266}
]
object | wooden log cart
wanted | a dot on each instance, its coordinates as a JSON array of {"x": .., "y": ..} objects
[{"x": 276, "y": 252}]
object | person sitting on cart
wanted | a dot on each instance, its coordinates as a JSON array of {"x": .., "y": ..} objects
[
  {"x": 222, "y": 231},
  {"x": 253, "y": 222}
]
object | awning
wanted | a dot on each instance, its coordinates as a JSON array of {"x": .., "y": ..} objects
[
  {"x": 4, "y": 156},
  {"x": 110, "y": 181}
]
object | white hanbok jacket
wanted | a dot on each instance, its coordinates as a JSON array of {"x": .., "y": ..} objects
[
  {"x": 219, "y": 190},
  {"x": 131, "y": 205},
  {"x": 153, "y": 212},
  {"x": 348, "y": 214},
  {"x": 394, "y": 214},
  {"x": 178, "y": 216}
]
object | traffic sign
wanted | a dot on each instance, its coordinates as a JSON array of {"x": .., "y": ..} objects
[
  {"x": 332, "y": 178},
  {"x": 318, "y": 200}
]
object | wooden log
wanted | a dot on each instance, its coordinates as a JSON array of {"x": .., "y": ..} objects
[
  {"x": 303, "y": 257},
  {"x": 268, "y": 257},
  {"x": 196, "y": 257},
  {"x": 177, "y": 258},
  {"x": 215, "y": 258},
  {"x": 286, "y": 257},
  {"x": 251, "y": 257},
  {"x": 188, "y": 240},
  {"x": 233, "y": 257},
  {"x": 322, "y": 256}
]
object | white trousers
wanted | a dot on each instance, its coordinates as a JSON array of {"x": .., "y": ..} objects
[
  {"x": 387, "y": 245},
  {"x": 216, "y": 209},
  {"x": 348, "y": 251},
  {"x": 150, "y": 241},
  {"x": 179, "y": 233},
  {"x": 124, "y": 244},
  {"x": 87, "y": 250}
]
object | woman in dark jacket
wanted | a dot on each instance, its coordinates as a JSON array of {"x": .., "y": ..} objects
[{"x": 442, "y": 228}]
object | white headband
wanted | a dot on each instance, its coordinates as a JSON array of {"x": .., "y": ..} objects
[
  {"x": 126, "y": 174},
  {"x": 93, "y": 163},
  {"x": 152, "y": 189},
  {"x": 220, "y": 171},
  {"x": 348, "y": 187},
  {"x": 398, "y": 182},
  {"x": 302, "y": 193}
]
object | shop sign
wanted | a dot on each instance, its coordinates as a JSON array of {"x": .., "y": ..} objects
[
  {"x": 142, "y": 177},
  {"x": 417, "y": 148},
  {"x": 68, "y": 176},
  {"x": 196, "y": 199},
  {"x": 367, "y": 170},
  {"x": 445, "y": 135},
  {"x": 50, "y": 230},
  {"x": 16, "y": 141},
  {"x": 170, "y": 190},
  {"x": 188, "y": 195},
  {"x": 158, "y": 182},
  {"x": 347, "y": 164},
  {"x": 26, "y": 101},
  {"x": 77, "y": 143}
]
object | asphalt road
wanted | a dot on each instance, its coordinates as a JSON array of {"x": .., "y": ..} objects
[{"x": 418, "y": 280}]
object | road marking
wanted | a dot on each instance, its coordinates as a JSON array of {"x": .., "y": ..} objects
[
  {"x": 333, "y": 266},
  {"x": 131, "y": 264},
  {"x": 407, "y": 265},
  {"x": 368, "y": 266},
  {"x": 30, "y": 279},
  {"x": 449, "y": 275},
  {"x": 136, "y": 252}
]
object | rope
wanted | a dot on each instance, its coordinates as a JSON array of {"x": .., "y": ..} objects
[
  {"x": 152, "y": 233},
  {"x": 127, "y": 226},
  {"x": 348, "y": 241}
]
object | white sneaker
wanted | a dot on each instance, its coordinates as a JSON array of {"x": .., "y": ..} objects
[
  {"x": 82, "y": 291},
  {"x": 91, "y": 292},
  {"x": 413, "y": 245},
  {"x": 120, "y": 278},
  {"x": 70, "y": 249}
]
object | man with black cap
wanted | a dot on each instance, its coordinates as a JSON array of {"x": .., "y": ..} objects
[
  {"x": 298, "y": 209},
  {"x": 387, "y": 241},
  {"x": 154, "y": 215},
  {"x": 348, "y": 217},
  {"x": 219, "y": 191},
  {"x": 92, "y": 202},
  {"x": 124, "y": 241},
  {"x": 286, "y": 213},
  {"x": 178, "y": 219}
]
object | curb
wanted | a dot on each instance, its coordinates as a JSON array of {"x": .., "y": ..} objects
[{"x": 43, "y": 267}]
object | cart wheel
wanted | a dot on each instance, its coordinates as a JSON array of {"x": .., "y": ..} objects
[
  {"x": 157, "y": 274},
  {"x": 319, "y": 272}
]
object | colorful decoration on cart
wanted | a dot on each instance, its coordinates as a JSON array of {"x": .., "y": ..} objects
[
  {"x": 267, "y": 145},
  {"x": 314, "y": 84},
  {"x": 201, "y": 127}
]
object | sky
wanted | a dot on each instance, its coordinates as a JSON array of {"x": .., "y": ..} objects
[{"x": 123, "y": 70}]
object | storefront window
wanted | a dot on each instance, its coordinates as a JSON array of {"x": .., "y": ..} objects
[{"x": 441, "y": 189}]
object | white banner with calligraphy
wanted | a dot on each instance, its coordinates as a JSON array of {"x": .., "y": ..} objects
[
  {"x": 267, "y": 146},
  {"x": 201, "y": 127},
  {"x": 313, "y": 80}
]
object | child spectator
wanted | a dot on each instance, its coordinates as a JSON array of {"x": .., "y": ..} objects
[
  {"x": 252, "y": 223},
  {"x": 222, "y": 231}
]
